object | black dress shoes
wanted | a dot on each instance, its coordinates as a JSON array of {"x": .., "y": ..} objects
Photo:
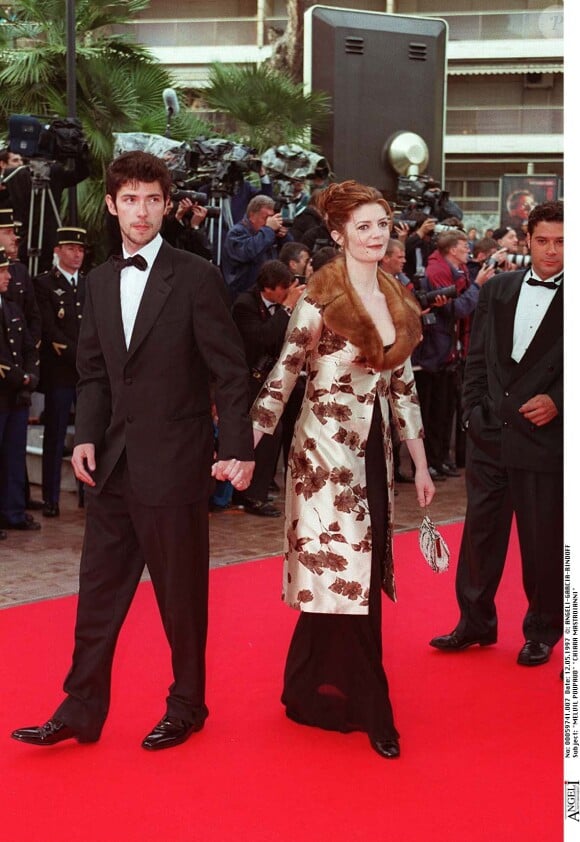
[
  {"x": 533, "y": 654},
  {"x": 170, "y": 732},
  {"x": 456, "y": 642},
  {"x": 34, "y": 505},
  {"x": 52, "y": 732},
  {"x": 50, "y": 510},
  {"x": 389, "y": 749},
  {"x": 26, "y": 525},
  {"x": 257, "y": 507}
]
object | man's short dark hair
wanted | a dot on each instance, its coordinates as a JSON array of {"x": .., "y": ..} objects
[
  {"x": 486, "y": 245},
  {"x": 274, "y": 274},
  {"x": 323, "y": 256},
  {"x": 546, "y": 212},
  {"x": 292, "y": 251},
  {"x": 137, "y": 166}
]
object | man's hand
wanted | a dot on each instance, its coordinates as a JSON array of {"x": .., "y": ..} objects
[
  {"x": 238, "y": 473},
  {"x": 293, "y": 294},
  {"x": 484, "y": 274},
  {"x": 83, "y": 460},
  {"x": 426, "y": 228},
  {"x": 275, "y": 222},
  {"x": 402, "y": 231},
  {"x": 539, "y": 410}
]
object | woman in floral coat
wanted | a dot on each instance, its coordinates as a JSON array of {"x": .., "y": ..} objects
[{"x": 353, "y": 330}]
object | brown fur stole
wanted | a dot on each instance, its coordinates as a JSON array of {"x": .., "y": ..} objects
[{"x": 344, "y": 313}]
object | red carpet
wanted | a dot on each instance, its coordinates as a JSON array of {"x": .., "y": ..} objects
[{"x": 480, "y": 737}]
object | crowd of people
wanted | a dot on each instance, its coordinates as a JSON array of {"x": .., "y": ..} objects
[{"x": 335, "y": 348}]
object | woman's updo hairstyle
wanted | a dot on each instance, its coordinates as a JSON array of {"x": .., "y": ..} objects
[{"x": 337, "y": 202}]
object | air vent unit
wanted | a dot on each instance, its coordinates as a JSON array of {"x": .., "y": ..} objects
[
  {"x": 539, "y": 80},
  {"x": 354, "y": 46},
  {"x": 417, "y": 52}
]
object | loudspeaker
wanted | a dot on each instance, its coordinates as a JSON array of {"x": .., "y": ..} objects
[{"x": 385, "y": 74}]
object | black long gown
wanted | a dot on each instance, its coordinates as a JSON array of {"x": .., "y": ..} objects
[{"x": 334, "y": 676}]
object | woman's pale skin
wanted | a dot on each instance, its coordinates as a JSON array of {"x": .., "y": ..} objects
[{"x": 364, "y": 242}]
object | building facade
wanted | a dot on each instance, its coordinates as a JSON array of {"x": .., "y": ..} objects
[{"x": 505, "y": 77}]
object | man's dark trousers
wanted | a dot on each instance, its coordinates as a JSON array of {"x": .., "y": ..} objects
[{"x": 173, "y": 543}]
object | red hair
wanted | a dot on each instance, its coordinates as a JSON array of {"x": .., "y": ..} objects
[{"x": 337, "y": 202}]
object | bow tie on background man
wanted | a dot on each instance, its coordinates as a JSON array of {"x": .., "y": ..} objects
[
  {"x": 136, "y": 260},
  {"x": 534, "y": 282}
]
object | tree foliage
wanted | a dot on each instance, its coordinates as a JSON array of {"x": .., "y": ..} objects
[
  {"x": 268, "y": 108},
  {"x": 119, "y": 84}
]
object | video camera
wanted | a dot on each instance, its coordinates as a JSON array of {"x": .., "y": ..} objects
[
  {"x": 425, "y": 194},
  {"x": 60, "y": 140}
]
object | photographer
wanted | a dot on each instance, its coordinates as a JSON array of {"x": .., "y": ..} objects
[
  {"x": 262, "y": 316},
  {"x": 437, "y": 357},
  {"x": 252, "y": 242},
  {"x": 419, "y": 244},
  {"x": 184, "y": 228}
]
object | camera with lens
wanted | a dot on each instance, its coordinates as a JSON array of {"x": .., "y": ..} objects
[
  {"x": 426, "y": 297},
  {"x": 521, "y": 261},
  {"x": 178, "y": 194}
]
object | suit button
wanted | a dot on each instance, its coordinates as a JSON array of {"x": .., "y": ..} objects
[
  {"x": 128, "y": 381},
  {"x": 507, "y": 394},
  {"x": 129, "y": 419},
  {"x": 505, "y": 423}
]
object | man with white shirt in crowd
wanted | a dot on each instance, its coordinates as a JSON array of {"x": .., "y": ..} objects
[
  {"x": 60, "y": 296},
  {"x": 513, "y": 411}
]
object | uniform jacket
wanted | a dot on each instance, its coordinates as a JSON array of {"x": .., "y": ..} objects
[
  {"x": 18, "y": 357},
  {"x": 328, "y": 531},
  {"x": 61, "y": 308},
  {"x": 153, "y": 399},
  {"x": 21, "y": 292},
  {"x": 495, "y": 386}
]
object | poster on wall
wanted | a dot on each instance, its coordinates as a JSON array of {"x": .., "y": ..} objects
[{"x": 521, "y": 193}]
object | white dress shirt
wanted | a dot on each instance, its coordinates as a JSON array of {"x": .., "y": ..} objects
[
  {"x": 533, "y": 303},
  {"x": 133, "y": 282}
]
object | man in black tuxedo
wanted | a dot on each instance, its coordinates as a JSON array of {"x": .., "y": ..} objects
[
  {"x": 513, "y": 411},
  {"x": 60, "y": 295},
  {"x": 156, "y": 333},
  {"x": 262, "y": 315}
]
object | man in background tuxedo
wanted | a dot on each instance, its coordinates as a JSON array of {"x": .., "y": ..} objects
[
  {"x": 155, "y": 332},
  {"x": 262, "y": 317},
  {"x": 513, "y": 411}
]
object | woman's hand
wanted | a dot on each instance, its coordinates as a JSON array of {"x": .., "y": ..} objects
[{"x": 424, "y": 486}]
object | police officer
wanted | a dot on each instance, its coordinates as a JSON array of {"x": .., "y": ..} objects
[
  {"x": 20, "y": 287},
  {"x": 60, "y": 295},
  {"x": 18, "y": 378}
]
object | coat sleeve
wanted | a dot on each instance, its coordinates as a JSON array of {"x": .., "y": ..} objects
[
  {"x": 475, "y": 377},
  {"x": 221, "y": 347},
  {"x": 404, "y": 401},
  {"x": 94, "y": 405},
  {"x": 302, "y": 335}
]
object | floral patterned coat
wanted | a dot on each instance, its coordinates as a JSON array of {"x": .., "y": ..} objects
[{"x": 327, "y": 562}]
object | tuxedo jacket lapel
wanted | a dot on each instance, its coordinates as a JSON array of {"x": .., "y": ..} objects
[
  {"x": 155, "y": 295},
  {"x": 549, "y": 330},
  {"x": 504, "y": 317}
]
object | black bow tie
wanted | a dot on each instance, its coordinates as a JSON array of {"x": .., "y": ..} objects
[
  {"x": 136, "y": 260},
  {"x": 534, "y": 282}
]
